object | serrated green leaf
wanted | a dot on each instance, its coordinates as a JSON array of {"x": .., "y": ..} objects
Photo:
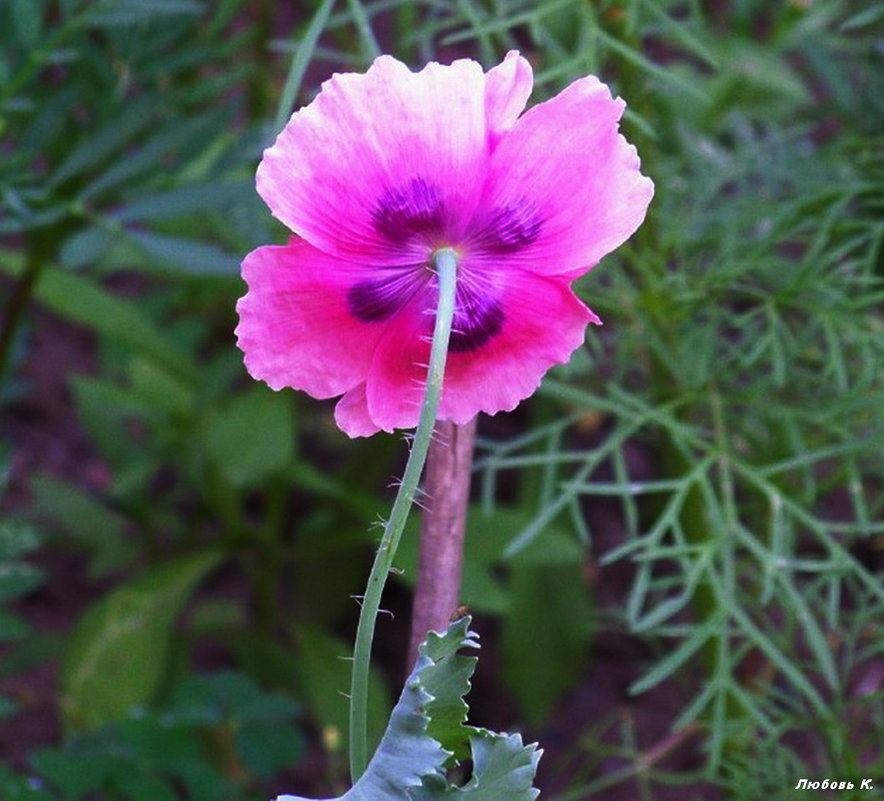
[
  {"x": 409, "y": 763},
  {"x": 117, "y": 656},
  {"x": 503, "y": 768},
  {"x": 407, "y": 752},
  {"x": 449, "y": 683}
]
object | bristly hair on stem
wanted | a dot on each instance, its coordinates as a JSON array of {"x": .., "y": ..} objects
[{"x": 445, "y": 263}]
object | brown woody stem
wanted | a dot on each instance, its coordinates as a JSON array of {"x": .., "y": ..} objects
[{"x": 447, "y": 493}]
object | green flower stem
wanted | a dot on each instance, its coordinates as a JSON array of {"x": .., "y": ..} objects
[{"x": 445, "y": 263}]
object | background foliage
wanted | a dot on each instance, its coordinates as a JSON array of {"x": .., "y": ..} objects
[{"x": 704, "y": 480}]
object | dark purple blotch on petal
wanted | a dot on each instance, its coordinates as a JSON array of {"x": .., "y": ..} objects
[
  {"x": 377, "y": 299},
  {"x": 477, "y": 318},
  {"x": 477, "y": 315},
  {"x": 510, "y": 227},
  {"x": 411, "y": 210}
]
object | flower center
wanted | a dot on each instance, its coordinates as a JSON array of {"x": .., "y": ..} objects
[{"x": 413, "y": 216}]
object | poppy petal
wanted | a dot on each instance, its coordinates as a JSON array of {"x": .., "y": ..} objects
[
  {"x": 384, "y": 164},
  {"x": 565, "y": 187},
  {"x": 507, "y": 88},
  {"x": 296, "y": 328},
  {"x": 542, "y": 323},
  {"x": 351, "y": 414}
]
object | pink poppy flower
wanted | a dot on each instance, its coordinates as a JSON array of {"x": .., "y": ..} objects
[{"x": 384, "y": 168}]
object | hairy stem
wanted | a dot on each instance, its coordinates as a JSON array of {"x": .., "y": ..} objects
[
  {"x": 447, "y": 488},
  {"x": 445, "y": 262}
]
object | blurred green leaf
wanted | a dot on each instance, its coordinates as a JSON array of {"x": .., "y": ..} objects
[
  {"x": 86, "y": 521},
  {"x": 183, "y": 200},
  {"x": 76, "y": 775},
  {"x": 8, "y": 707},
  {"x": 229, "y": 696},
  {"x": 145, "y": 787},
  {"x": 27, "y": 19},
  {"x": 105, "y": 142},
  {"x": 863, "y": 18},
  {"x": 85, "y": 247},
  {"x": 83, "y": 301},
  {"x": 160, "y": 390},
  {"x": 16, "y": 539},
  {"x": 299, "y": 63},
  {"x": 131, "y": 12},
  {"x": 546, "y": 636},
  {"x": 323, "y": 664},
  {"x": 18, "y": 579},
  {"x": 12, "y": 627},
  {"x": 487, "y": 536},
  {"x": 104, "y": 407},
  {"x": 265, "y": 749},
  {"x": 117, "y": 656},
  {"x": 251, "y": 436},
  {"x": 171, "y": 144},
  {"x": 185, "y": 255},
  {"x": 21, "y": 788},
  {"x": 757, "y": 80}
]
